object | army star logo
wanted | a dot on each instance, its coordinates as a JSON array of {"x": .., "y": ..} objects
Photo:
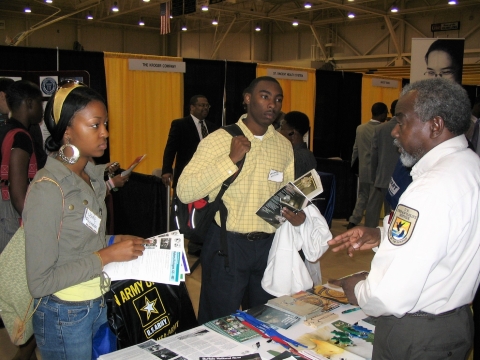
[{"x": 149, "y": 307}]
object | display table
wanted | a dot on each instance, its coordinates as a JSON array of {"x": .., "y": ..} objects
[
  {"x": 315, "y": 339},
  {"x": 203, "y": 342}
]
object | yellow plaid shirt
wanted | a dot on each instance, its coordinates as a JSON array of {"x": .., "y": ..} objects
[{"x": 211, "y": 166}]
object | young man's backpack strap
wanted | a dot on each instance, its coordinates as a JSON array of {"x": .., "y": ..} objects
[
  {"x": 233, "y": 130},
  {"x": 5, "y": 166}
]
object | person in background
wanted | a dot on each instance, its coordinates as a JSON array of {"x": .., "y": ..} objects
[
  {"x": 362, "y": 151},
  {"x": 227, "y": 275},
  {"x": 383, "y": 159},
  {"x": 184, "y": 136},
  {"x": 427, "y": 266},
  {"x": 4, "y": 110},
  {"x": 114, "y": 181},
  {"x": 278, "y": 120},
  {"x": 64, "y": 220},
  {"x": 294, "y": 126},
  {"x": 24, "y": 99}
]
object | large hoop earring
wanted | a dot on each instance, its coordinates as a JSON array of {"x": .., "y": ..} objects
[{"x": 72, "y": 159}]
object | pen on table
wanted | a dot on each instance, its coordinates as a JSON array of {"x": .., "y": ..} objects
[{"x": 350, "y": 310}]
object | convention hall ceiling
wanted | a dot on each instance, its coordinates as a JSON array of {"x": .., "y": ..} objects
[{"x": 232, "y": 15}]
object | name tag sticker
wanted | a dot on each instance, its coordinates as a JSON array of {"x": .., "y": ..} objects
[
  {"x": 276, "y": 176},
  {"x": 91, "y": 220}
]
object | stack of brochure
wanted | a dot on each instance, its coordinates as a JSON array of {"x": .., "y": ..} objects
[{"x": 163, "y": 261}]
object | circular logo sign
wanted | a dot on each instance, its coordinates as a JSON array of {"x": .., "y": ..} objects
[{"x": 48, "y": 86}]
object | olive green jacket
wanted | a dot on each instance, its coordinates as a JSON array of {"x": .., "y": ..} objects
[{"x": 55, "y": 264}]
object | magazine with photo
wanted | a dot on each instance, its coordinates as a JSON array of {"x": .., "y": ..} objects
[
  {"x": 232, "y": 328},
  {"x": 273, "y": 317},
  {"x": 328, "y": 293},
  {"x": 295, "y": 196},
  {"x": 303, "y": 304}
]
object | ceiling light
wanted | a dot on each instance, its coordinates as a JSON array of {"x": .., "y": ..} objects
[
  {"x": 89, "y": 16},
  {"x": 146, "y": 0},
  {"x": 295, "y": 22},
  {"x": 257, "y": 27},
  {"x": 184, "y": 27},
  {"x": 351, "y": 15},
  {"x": 204, "y": 7},
  {"x": 307, "y": 5},
  {"x": 452, "y": 2},
  {"x": 140, "y": 22},
  {"x": 115, "y": 7},
  {"x": 215, "y": 21},
  {"x": 49, "y": 1},
  {"x": 27, "y": 9},
  {"x": 171, "y": 16},
  {"x": 394, "y": 8},
  {"x": 350, "y": 0}
]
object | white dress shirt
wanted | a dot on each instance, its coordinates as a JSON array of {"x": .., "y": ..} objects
[{"x": 437, "y": 269}]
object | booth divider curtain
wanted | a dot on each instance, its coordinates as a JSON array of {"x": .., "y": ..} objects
[
  {"x": 239, "y": 76},
  {"x": 297, "y": 95},
  {"x": 373, "y": 94},
  {"x": 139, "y": 206},
  {"x": 141, "y": 106},
  {"x": 211, "y": 78},
  {"x": 337, "y": 114},
  {"x": 205, "y": 77}
]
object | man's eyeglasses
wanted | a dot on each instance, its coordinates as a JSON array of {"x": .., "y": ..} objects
[
  {"x": 203, "y": 106},
  {"x": 431, "y": 73}
]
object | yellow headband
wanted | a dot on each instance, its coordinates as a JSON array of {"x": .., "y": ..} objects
[{"x": 60, "y": 97}]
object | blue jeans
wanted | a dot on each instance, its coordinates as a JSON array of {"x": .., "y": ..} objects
[{"x": 64, "y": 329}]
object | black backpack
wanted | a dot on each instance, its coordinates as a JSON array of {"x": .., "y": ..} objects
[{"x": 194, "y": 219}]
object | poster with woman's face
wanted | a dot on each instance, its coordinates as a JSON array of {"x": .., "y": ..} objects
[{"x": 437, "y": 58}]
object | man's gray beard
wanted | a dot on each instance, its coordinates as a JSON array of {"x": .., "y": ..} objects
[{"x": 407, "y": 159}]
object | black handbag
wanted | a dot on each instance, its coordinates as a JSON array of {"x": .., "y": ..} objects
[{"x": 140, "y": 310}]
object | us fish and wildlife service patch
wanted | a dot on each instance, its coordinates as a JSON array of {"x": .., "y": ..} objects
[{"x": 402, "y": 225}]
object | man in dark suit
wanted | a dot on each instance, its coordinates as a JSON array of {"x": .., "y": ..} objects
[
  {"x": 184, "y": 136},
  {"x": 384, "y": 157},
  {"x": 362, "y": 151}
]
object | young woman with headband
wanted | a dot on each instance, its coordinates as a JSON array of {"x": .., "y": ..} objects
[{"x": 64, "y": 219}]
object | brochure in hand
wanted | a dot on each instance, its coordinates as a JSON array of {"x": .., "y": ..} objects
[
  {"x": 294, "y": 195},
  {"x": 232, "y": 328},
  {"x": 133, "y": 165},
  {"x": 303, "y": 304}
]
